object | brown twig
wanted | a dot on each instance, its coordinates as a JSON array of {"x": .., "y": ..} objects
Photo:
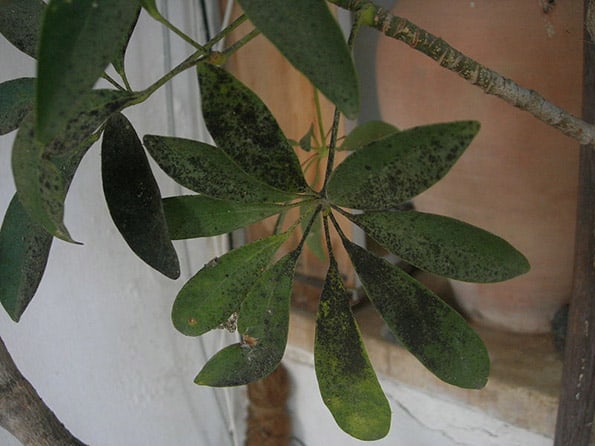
[
  {"x": 483, "y": 77},
  {"x": 22, "y": 411}
]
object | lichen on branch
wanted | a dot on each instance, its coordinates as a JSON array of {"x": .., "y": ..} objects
[{"x": 469, "y": 69}]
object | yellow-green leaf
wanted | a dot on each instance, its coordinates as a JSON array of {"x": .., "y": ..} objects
[
  {"x": 210, "y": 297},
  {"x": 347, "y": 382},
  {"x": 263, "y": 324}
]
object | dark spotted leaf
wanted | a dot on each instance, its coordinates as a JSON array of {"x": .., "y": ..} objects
[
  {"x": 438, "y": 336},
  {"x": 191, "y": 216},
  {"x": 24, "y": 251},
  {"x": 133, "y": 197},
  {"x": 43, "y": 172},
  {"x": 346, "y": 379},
  {"x": 20, "y": 23},
  {"x": 367, "y": 133},
  {"x": 444, "y": 246},
  {"x": 79, "y": 39},
  {"x": 307, "y": 34},
  {"x": 16, "y": 101},
  {"x": 210, "y": 171},
  {"x": 392, "y": 170},
  {"x": 245, "y": 129},
  {"x": 210, "y": 297},
  {"x": 263, "y": 323}
]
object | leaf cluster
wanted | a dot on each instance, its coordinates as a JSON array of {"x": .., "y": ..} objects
[{"x": 250, "y": 173}]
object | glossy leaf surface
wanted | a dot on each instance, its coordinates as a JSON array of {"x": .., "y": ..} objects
[
  {"x": 263, "y": 324},
  {"x": 20, "y": 22},
  {"x": 244, "y": 128},
  {"x": 367, "y": 133},
  {"x": 347, "y": 382},
  {"x": 219, "y": 288},
  {"x": 133, "y": 197},
  {"x": 307, "y": 34},
  {"x": 392, "y": 170},
  {"x": 191, "y": 216},
  {"x": 79, "y": 39},
  {"x": 437, "y": 335},
  {"x": 444, "y": 246},
  {"x": 209, "y": 170},
  {"x": 43, "y": 172},
  {"x": 16, "y": 101},
  {"x": 24, "y": 251}
]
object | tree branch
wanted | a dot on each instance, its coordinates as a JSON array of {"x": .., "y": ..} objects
[
  {"x": 452, "y": 59},
  {"x": 22, "y": 411}
]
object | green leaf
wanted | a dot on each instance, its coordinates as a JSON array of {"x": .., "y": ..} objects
[
  {"x": 244, "y": 128},
  {"x": 24, "y": 251},
  {"x": 444, "y": 246},
  {"x": 118, "y": 60},
  {"x": 437, "y": 335},
  {"x": 219, "y": 288},
  {"x": 307, "y": 34},
  {"x": 16, "y": 101},
  {"x": 43, "y": 172},
  {"x": 305, "y": 141},
  {"x": 392, "y": 170},
  {"x": 20, "y": 22},
  {"x": 191, "y": 216},
  {"x": 263, "y": 323},
  {"x": 209, "y": 170},
  {"x": 367, "y": 133},
  {"x": 79, "y": 39},
  {"x": 133, "y": 197},
  {"x": 346, "y": 379}
]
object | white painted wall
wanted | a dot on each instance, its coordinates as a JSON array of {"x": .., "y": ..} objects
[{"x": 97, "y": 341}]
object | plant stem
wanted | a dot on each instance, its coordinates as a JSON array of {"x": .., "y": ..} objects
[
  {"x": 157, "y": 16},
  {"x": 483, "y": 77},
  {"x": 336, "y": 117},
  {"x": 189, "y": 62},
  {"x": 331, "y": 151},
  {"x": 225, "y": 32},
  {"x": 240, "y": 43},
  {"x": 321, "y": 131},
  {"x": 108, "y": 78}
]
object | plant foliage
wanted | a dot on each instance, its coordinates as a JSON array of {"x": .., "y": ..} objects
[{"x": 251, "y": 173}]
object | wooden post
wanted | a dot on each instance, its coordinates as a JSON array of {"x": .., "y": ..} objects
[{"x": 577, "y": 396}]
